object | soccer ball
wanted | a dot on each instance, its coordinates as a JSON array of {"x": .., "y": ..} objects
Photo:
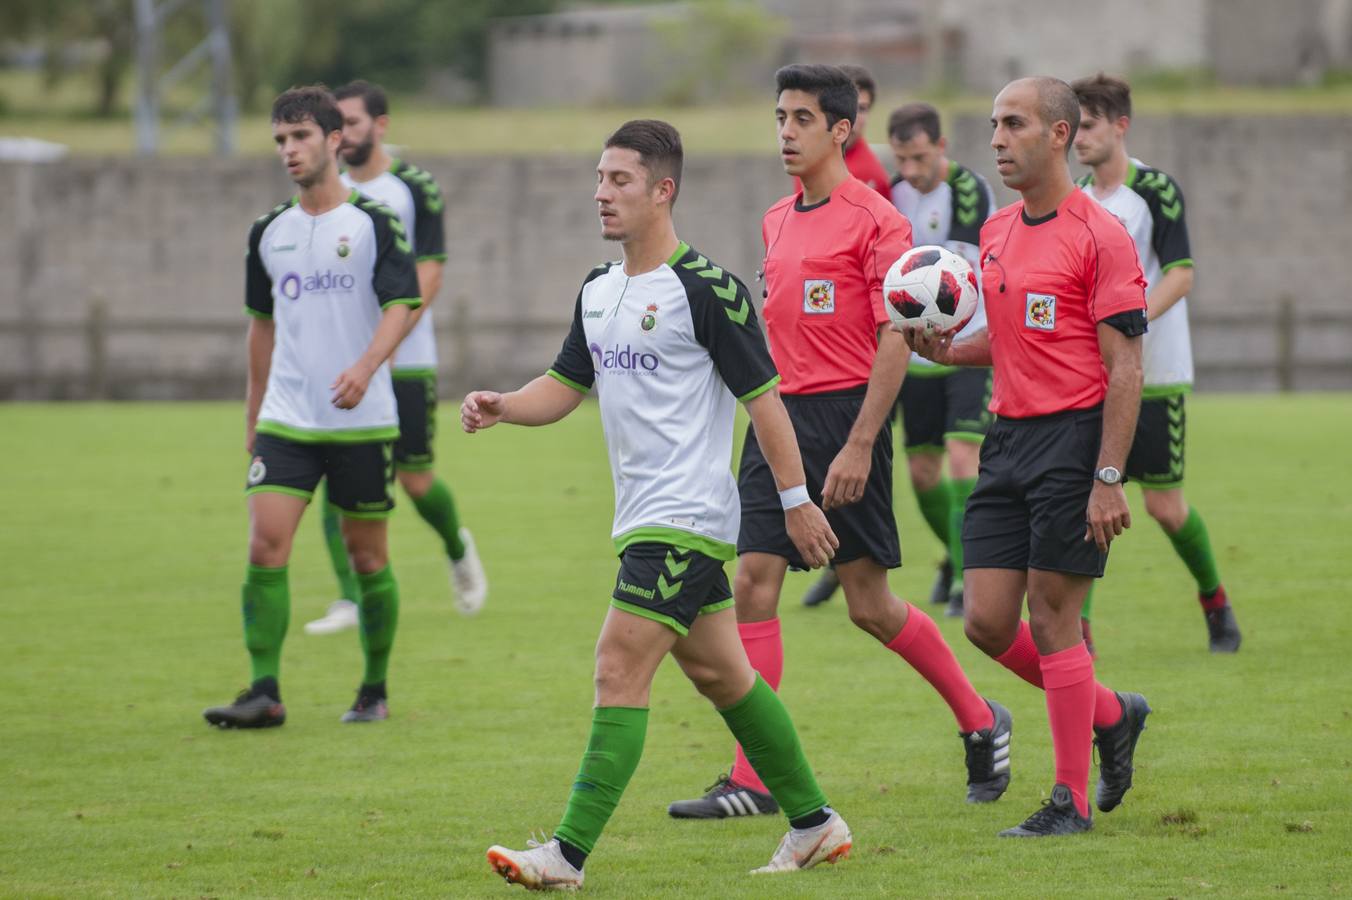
[{"x": 930, "y": 287}]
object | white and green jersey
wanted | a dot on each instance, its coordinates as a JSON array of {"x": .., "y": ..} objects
[
  {"x": 1150, "y": 204},
  {"x": 950, "y": 216},
  {"x": 416, "y": 200},
  {"x": 325, "y": 281},
  {"x": 670, "y": 352}
]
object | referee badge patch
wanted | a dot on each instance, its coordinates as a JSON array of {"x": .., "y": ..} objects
[
  {"x": 819, "y": 296},
  {"x": 1040, "y": 312}
]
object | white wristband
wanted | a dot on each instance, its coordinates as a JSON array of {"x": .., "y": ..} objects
[{"x": 794, "y": 496}]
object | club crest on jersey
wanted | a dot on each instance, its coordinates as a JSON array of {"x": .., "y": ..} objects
[
  {"x": 649, "y": 320},
  {"x": 257, "y": 471},
  {"x": 343, "y": 248},
  {"x": 819, "y": 296},
  {"x": 1040, "y": 312}
]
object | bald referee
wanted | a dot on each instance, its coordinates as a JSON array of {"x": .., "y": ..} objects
[{"x": 1065, "y": 307}]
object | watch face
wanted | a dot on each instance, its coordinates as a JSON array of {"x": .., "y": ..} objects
[{"x": 1108, "y": 475}]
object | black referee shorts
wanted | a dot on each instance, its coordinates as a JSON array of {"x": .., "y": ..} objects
[
  {"x": 822, "y": 422},
  {"x": 1030, "y": 505}
]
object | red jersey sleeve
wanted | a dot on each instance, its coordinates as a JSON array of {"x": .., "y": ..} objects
[
  {"x": 1118, "y": 285},
  {"x": 893, "y": 238}
]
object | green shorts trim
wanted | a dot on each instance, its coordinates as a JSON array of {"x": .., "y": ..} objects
[
  {"x": 1160, "y": 485},
  {"x": 924, "y": 450},
  {"x": 717, "y": 607},
  {"x": 411, "y": 373},
  {"x": 366, "y": 516},
  {"x": 338, "y": 436},
  {"x": 307, "y": 496},
  {"x": 917, "y": 370},
  {"x": 560, "y": 377},
  {"x": 649, "y": 614},
  {"x": 414, "y": 467},
  {"x": 752, "y": 395},
  {"x": 967, "y": 437},
  {"x": 682, "y": 540},
  {"x": 1155, "y": 391}
]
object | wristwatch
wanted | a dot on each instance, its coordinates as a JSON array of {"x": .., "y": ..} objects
[{"x": 1109, "y": 475}]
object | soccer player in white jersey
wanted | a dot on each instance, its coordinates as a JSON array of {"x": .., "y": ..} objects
[
  {"x": 330, "y": 284},
  {"x": 1150, "y": 204},
  {"x": 943, "y": 408},
  {"x": 671, "y": 342},
  {"x": 415, "y": 198}
]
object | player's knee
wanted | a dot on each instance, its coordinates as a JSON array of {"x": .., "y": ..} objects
[
  {"x": 1170, "y": 512},
  {"x": 877, "y": 620},
  {"x": 415, "y": 484},
  {"x": 754, "y": 598},
  {"x": 267, "y": 549},
  {"x": 615, "y": 682},
  {"x": 367, "y": 560},
  {"x": 986, "y": 635}
]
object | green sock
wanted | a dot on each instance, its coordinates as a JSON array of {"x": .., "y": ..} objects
[
  {"x": 934, "y": 506},
  {"x": 959, "y": 490},
  {"x": 1193, "y": 546},
  {"x": 266, "y": 605},
  {"x": 379, "y": 614},
  {"x": 612, "y": 755},
  {"x": 333, "y": 539},
  {"x": 1087, "y": 611},
  {"x": 437, "y": 507},
  {"x": 762, "y": 726}
]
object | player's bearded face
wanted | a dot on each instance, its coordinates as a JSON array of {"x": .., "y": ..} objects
[
  {"x": 1094, "y": 140},
  {"x": 626, "y": 195},
  {"x": 918, "y": 161},
  {"x": 359, "y": 133}
]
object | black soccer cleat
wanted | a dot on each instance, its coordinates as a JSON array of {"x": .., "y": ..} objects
[
  {"x": 1222, "y": 630},
  {"x": 823, "y": 589},
  {"x": 943, "y": 580},
  {"x": 370, "y": 706},
  {"x": 955, "y": 604},
  {"x": 1058, "y": 816},
  {"x": 1117, "y": 748},
  {"x": 725, "y": 800},
  {"x": 253, "y": 708},
  {"x": 988, "y": 757}
]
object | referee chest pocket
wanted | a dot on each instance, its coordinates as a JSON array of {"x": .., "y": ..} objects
[
  {"x": 1045, "y": 297},
  {"x": 826, "y": 281}
]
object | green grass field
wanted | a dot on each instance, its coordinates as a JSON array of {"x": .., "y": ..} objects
[
  {"x": 29, "y": 107},
  {"x": 123, "y": 555}
]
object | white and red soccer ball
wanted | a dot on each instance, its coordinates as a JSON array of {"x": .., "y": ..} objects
[{"x": 932, "y": 288}]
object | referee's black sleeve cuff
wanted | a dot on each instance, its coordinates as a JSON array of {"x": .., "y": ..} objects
[{"x": 1132, "y": 323}]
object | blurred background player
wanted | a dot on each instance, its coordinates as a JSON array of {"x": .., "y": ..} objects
[
  {"x": 827, "y": 250},
  {"x": 330, "y": 283},
  {"x": 1150, "y": 204},
  {"x": 415, "y": 198},
  {"x": 943, "y": 408},
  {"x": 669, "y": 418},
  {"x": 1065, "y": 312}
]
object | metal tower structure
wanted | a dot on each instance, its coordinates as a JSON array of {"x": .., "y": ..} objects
[{"x": 151, "y": 84}]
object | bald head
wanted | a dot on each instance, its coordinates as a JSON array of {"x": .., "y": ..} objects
[{"x": 1056, "y": 102}]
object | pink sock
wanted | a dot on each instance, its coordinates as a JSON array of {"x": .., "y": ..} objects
[
  {"x": 920, "y": 644},
  {"x": 1069, "y": 678},
  {"x": 765, "y": 649},
  {"x": 1022, "y": 659}
]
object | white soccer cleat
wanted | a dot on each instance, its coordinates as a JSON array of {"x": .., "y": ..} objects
[
  {"x": 341, "y": 616},
  {"x": 803, "y": 849},
  {"x": 467, "y": 575},
  {"x": 541, "y": 868}
]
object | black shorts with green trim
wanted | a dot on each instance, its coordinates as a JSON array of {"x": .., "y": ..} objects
[
  {"x": 359, "y": 475},
  {"x": 415, "y": 395},
  {"x": 939, "y": 408},
  {"x": 670, "y": 585},
  {"x": 1156, "y": 458}
]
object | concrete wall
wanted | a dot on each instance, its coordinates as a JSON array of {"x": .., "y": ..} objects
[{"x": 124, "y": 278}]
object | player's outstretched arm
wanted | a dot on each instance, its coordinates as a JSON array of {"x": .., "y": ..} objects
[
  {"x": 541, "y": 402},
  {"x": 262, "y": 336},
  {"x": 350, "y": 387},
  {"x": 1108, "y": 514},
  {"x": 806, "y": 524}
]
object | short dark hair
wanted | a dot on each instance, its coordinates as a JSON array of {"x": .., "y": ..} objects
[
  {"x": 832, "y": 86},
  {"x": 372, "y": 97},
  {"x": 907, "y": 120},
  {"x": 1104, "y": 95},
  {"x": 313, "y": 101},
  {"x": 1056, "y": 102},
  {"x": 658, "y": 145},
  {"x": 863, "y": 80}
]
